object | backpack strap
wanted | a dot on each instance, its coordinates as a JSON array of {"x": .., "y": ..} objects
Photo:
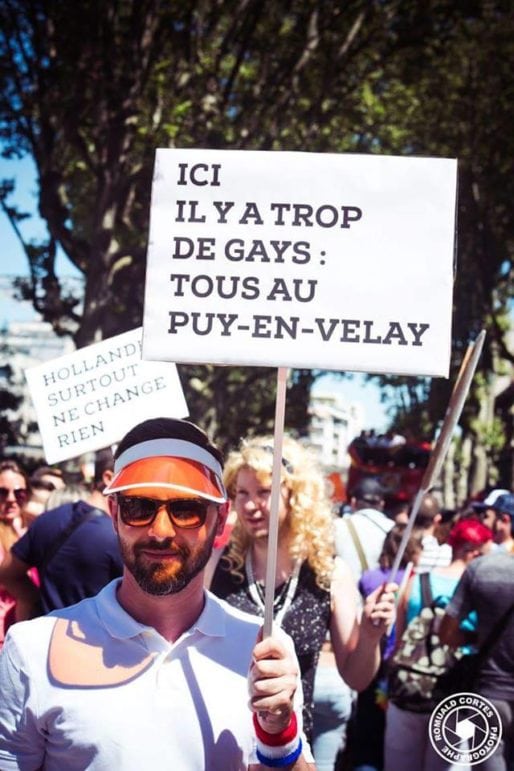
[
  {"x": 427, "y": 597},
  {"x": 357, "y": 543}
]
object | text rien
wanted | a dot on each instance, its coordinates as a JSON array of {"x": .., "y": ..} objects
[
  {"x": 88, "y": 411},
  {"x": 291, "y": 327}
]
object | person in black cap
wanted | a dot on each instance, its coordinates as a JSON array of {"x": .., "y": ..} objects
[
  {"x": 485, "y": 507},
  {"x": 503, "y": 508},
  {"x": 360, "y": 535}
]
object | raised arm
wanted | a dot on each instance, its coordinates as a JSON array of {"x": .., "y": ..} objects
[{"x": 356, "y": 640}]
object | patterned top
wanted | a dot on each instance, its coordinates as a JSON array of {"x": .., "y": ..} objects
[
  {"x": 433, "y": 555},
  {"x": 306, "y": 621}
]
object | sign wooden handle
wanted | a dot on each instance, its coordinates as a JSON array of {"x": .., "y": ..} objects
[
  {"x": 453, "y": 413},
  {"x": 271, "y": 557}
]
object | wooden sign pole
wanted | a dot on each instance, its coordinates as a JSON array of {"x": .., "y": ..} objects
[
  {"x": 457, "y": 399},
  {"x": 271, "y": 560}
]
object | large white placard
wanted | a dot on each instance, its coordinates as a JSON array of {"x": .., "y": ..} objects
[
  {"x": 90, "y": 398},
  {"x": 341, "y": 262}
]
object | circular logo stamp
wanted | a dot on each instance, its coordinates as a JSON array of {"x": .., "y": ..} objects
[{"x": 465, "y": 729}]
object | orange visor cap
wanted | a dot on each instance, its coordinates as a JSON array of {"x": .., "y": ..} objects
[{"x": 187, "y": 478}]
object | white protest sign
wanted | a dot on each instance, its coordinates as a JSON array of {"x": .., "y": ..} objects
[
  {"x": 341, "y": 262},
  {"x": 90, "y": 398}
]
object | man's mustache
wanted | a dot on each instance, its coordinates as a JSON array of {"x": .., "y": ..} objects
[{"x": 166, "y": 545}]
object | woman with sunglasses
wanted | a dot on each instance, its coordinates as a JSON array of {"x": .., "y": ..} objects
[
  {"x": 314, "y": 592},
  {"x": 14, "y": 494}
]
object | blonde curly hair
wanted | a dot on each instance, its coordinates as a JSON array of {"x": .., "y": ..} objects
[{"x": 310, "y": 518}]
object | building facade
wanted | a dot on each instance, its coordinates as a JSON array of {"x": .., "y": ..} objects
[
  {"x": 24, "y": 344},
  {"x": 333, "y": 425}
]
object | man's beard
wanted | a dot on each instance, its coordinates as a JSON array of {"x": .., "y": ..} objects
[{"x": 154, "y": 577}]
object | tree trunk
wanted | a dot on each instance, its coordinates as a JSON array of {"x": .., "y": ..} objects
[
  {"x": 448, "y": 478},
  {"x": 464, "y": 472}
]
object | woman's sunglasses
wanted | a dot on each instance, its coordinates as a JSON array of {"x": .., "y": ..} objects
[
  {"x": 20, "y": 494},
  {"x": 42, "y": 484},
  {"x": 184, "y": 513}
]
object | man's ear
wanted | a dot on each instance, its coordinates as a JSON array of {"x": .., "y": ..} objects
[
  {"x": 107, "y": 476},
  {"x": 223, "y": 511}
]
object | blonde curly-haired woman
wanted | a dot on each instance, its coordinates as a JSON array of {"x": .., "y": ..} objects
[{"x": 314, "y": 592}]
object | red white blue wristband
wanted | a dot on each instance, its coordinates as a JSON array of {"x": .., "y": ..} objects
[
  {"x": 280, "y": 762},
  {"x": 278, "y": 750}
]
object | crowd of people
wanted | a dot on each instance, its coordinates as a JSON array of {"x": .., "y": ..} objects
[{"x": 131, "y": 611}]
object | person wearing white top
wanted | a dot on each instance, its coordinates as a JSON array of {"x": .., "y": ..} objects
[
  {"x": 359, "y": 536},
  {"x": 433, "y": 553},
  {"x": 153, "y": 673}
]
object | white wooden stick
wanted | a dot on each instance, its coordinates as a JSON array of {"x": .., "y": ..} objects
[
  {"x": 271, "y": 559},
  {"x": 457, "y": 399},
  {"x": 404, "y": 582},
  {"x": 401, "y": 591}
]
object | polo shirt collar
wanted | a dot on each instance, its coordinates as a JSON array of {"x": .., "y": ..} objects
[{"x": 121, "y": 625}]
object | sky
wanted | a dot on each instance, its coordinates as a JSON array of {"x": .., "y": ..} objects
[
  {"x": 13, "y": 260},
  {"x": 355, "y": 389},
  {"x": 14, "y": 263}
]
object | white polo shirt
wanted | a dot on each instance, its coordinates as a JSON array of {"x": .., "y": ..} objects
[{"x": 90, "y": 688}]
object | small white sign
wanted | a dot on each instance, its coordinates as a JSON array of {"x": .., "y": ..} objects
[
  {"x": 90, "y": 398},
  {"x": 339, "y": 262}
]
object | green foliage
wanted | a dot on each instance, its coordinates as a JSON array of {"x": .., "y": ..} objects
[
  {"x": 234, "y": 402},
  {"x": 10, "y": 430},
  {"x": 490, "y": 435},
  {"x": 91, "y": 93},
  {"x": 409, "y": 405}
]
